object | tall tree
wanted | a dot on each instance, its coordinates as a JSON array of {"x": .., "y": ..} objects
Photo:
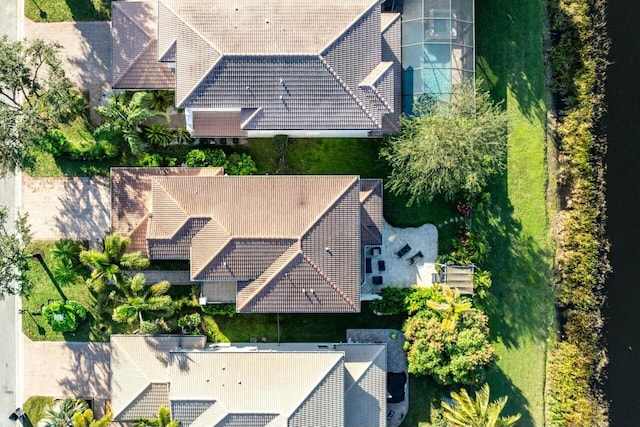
[
  {"x": 448, "y": 146},
  {"x": 451, "y": 308},
  {"x": 14, "y": 256},
  {"x": 138, "y": 301},
  {"x": 124, "y": 118},
  {"x": 62, "y": 414},
  {"x": 107, "y": 266},
  {"x": 35, "y": 96},
  {"x": 163, "y": 420},
  {"x": 465, "y": 411}
]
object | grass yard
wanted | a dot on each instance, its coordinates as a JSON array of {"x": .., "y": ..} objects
[
  {"x": 67, "y": 10},
  {"x": 34, "y": 408},
  {"x": 510, "y": 60}
]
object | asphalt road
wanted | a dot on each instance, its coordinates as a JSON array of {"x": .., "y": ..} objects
[{"x": 11, "y": 24}]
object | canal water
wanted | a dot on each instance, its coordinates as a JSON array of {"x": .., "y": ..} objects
[{"x": 623, "y": 198}]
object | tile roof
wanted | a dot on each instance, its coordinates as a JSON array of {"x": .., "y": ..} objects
[
  {"x": 222, "y": 123},
  {"x": 131, "y": 199},
  {"x": 293, "y": 243},
  {"x": 134, "y": 53},
  {"x": 139, "y": 374},
  {"x": 266, "y": 385},
  {"x": 296, "y": 64}
]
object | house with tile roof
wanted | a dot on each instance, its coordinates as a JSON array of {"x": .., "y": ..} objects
[
  {"x": 288, "y": 244},
  {"x": 258, "y": 68},
  {"x": 265, "y": 385}
]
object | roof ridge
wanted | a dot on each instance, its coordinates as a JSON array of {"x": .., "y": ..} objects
[
  {"x": 315, "y": 387},
  {"x": 148, "y": 43},
  {"x": 370, "y": 364},
  {"x": 213, "y": 256},
  {"x": 142, "y": 373},
  {"x": 328, "y": 280},
  {"x": 355, "y": 180},
  {"x": 251, "y": 117},
  {"x": 349, "y": 91},
  {"x": 268, "y": 275},
  {"x": 202, "y": 78},
  {"x": 351, "y": 24},
  {"x": 391, "y": 21},
  {"x": 173, "y": 199}
]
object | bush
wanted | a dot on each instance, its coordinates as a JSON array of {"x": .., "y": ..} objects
[
  {"x": 228, "y": 310},
  {"x": 55, "y": 142},
  {"x": 240, "y": 164},
  {"x": 190, "y": 323},
  {"x": 207, "y": 157},
  {"x": 150, "y": 160},
  {"x": 64, "y": 316},
  {"x": 393, "y": 301},
  {"x": 281, "y": 147},
  {"x": 158, "y": 134},
  {"x": 458, "y": 356}
]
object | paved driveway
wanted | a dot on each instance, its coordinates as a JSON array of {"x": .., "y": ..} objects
[
  {"x": 85, "y": 53},
  {"x": 67, "y": 369},
  {"x": 74, "y": 208}
]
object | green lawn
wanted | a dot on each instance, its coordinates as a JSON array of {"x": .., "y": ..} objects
[
  {"x": 510, "y": 59},
  {"x": 34, "y": 408},
  {"x": 67, "y": 10}
]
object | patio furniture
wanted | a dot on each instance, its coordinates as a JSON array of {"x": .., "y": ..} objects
[
  {"x": 415, "y": 258},
  {"x": 402, "y": 252},
  {"x": 381, "y": 266},
  {"x": 368, "y": 266},
  {"x": 376, "y": 250},
  {"x": 376, "y": 280}
]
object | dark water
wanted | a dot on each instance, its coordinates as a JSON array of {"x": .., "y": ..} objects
[{"x": 623, "y": 197}]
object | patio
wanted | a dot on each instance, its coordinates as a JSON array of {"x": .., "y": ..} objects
[{"x": 399, "y": 271}]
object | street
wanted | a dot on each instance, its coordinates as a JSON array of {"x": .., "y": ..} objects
[{"x": 11, "y": 23}]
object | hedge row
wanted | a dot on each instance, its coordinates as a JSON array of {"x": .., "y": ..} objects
[{"x": 578, "y": 61}]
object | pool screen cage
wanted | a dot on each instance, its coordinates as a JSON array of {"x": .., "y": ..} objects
[{"x": 438, "y": 47}]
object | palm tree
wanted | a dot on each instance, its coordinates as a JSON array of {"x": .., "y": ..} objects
[
  {"x": 158, "y": 134},
  {"x": 85, "y": 419},
  {"x": 125, "y": 118},
  {"x": 67, "y": 266},
  {"x": 451, "y": 308},
  {"x": 467, "y": 412},
  {"x": 138, "y": 300},
  {"x": 163, "y": 420},
  {"x": 107, "y": 265},
  {"x": 62, "y": 415}
]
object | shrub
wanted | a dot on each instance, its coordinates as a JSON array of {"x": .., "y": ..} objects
[
  {"x": 64, "y": 316},
  {"x": 55, "y": 142},
  {"x": 281, "y": 147},
  {"x": 196, "y": 158},
  {"x": 207, "y": 157},
  {"x": 393, "y": 300},
  {"x": 190, "y": 323},
  {"x": 150, "y": 160},
  {"x": 220, "y": 309},
  {"x": 240, "y": 164},
  {"x": 458, "y": 356},
  {"x": 158, "y": 134}
]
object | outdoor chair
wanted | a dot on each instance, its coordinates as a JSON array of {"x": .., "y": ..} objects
[
  {"x": 415, "y": 258},
  {"x": 368, "y": 266},
  {"x": 402, "y": 252},
  {"x": 376, "y": 280},
  {"x": 381, "y": 266},
  {"x": 375, "y": 251}
]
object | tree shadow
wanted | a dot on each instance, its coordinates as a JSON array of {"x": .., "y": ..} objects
[
  {"x": 501, "y": 385},
  {"x": 518, "y": 304},
  {"x": 84, "y": 209},
  {"x": 510, "y": 55},
  {"x": 89, "y": 372}
]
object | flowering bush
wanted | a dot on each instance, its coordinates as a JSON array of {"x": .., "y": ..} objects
[{"x": 463, "y": 209}]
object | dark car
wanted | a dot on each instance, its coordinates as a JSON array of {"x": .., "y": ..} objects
[{"x": 396, "y": 386}]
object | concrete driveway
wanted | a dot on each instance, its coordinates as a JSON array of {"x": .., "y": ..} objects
[
  {"x": 68, "y": 369},
  {"x": 74, "y": 208},
  {"x": 85, "y": 53}
]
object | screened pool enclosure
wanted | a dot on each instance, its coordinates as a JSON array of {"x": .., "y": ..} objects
[{"x": 438, "y": 44}]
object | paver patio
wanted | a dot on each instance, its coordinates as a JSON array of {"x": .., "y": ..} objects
[
  {"x": 398, "y": 271},
  {"x": 74, "y": 208}
]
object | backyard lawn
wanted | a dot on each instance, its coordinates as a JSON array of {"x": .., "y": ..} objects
[{"x": 510, "y": 59}]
